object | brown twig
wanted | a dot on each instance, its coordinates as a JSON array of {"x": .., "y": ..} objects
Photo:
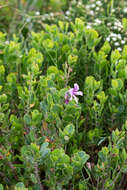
[{"x": 37, "y": 175}]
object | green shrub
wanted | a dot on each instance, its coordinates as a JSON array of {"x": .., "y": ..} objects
[{"x": 47, "y": 142}]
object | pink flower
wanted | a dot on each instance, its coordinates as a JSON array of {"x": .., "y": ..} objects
[{"x": 72, "y": 93}]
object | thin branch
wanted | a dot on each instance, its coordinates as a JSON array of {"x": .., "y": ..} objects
[{"x": 37, "y": 175}]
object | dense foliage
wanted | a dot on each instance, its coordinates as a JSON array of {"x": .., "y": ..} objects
[{"x": 63, "y": 97}]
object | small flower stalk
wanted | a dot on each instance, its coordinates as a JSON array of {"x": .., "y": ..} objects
[{"x": 72, "y": 93}]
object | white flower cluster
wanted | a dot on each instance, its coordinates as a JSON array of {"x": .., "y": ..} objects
[
  {"x": 76, "y": 8},
  {"x": 94, "y": 7},
  {"x": 115, "y": 26},
  {"x": 97, "y": 21},
  {"x": 116, "y": 38}
]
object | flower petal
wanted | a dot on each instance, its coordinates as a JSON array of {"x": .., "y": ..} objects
[
  {"x": 66, "y": 101},
  {"x": 79, "y": 93},
  {"x": 76, "y": 87},
  {"x": 75, "y": 98},
  {"x": 67, "y": 97},
  {"x": 71, "y": 92}
]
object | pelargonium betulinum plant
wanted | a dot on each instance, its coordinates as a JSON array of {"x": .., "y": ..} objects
[{"x": 72, "y": 93}]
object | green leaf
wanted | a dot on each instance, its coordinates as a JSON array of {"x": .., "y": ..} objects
[
  {"x": 2, "y": 36},
  {"x": 27, "y": 119},
  {"x": 2, "y": 69},
  {"x": 79, "y": 24},
  {"x": 1, "y": 187},
  {"x": 52, "y": 69},
  {"x": 33, "y": 178},
  {"x": 115, "y": 55},
  {"x": 1, "y": 87},
  {"x": 106, "y": 47},
  {"x": 49, "y": 44},
  {"x": 58, "y": 156},
  {"x": 78, "y": 160},
  {"x": 125, "y": 72},
  {"x": 69, "y": 130},
  {"x": 11, "y": 78},
  {"x": 101, "y": 96},
  {"x": 36, "y": 117},
  {"x": 124, "y": 22},
  {"x": 91, "y": 84},
  {"x": 103, "y": 154},
  {"x": 72, "y": 59},
  {"x": 36, "y": 187},
  {"x": 20, "y": 185},
  {"x": 3, "y": 98},
  {"x": 44, "y": 151},
  {"x": 123, "y": 154},
  {"x": 124, "y": 52},
  {"x": 124, "y": 169},
  {"x": 92, "y": 38},
  {"x": 117, "y": 84},
  {"x": 1, "y": 116},
  {"x": 61, "y": 25}
]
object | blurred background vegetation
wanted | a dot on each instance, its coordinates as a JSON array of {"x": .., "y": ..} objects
[
  {"x": 22, "y": 16},
  {"x": 17, "y": 15}
]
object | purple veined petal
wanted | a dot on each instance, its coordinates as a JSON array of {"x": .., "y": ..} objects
[
  {"x": 71, "y": 91},
  {"x": 67, "y": 97},
  {"x": 79, "y": 93},
  {"x": 66, "y": 101},
  {"x": 75, "y": 98},
  {"x": 76, "y": 87}
]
